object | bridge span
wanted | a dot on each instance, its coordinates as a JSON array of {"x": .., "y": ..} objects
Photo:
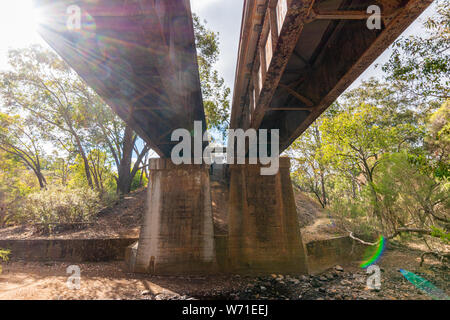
[
  {"x": 139, "y": 56},
  {"x": 295, "y": 58}
]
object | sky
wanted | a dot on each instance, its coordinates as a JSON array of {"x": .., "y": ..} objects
[{"x": 18, "y": 21}]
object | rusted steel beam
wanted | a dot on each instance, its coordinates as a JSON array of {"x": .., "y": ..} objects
[
  {"x": 297, "y": 95},
  {"x": 251, "y": 17},
  {"x": 403, "y": 18},
  {"x": 338, "y": 15},
  {"x": 292, "y": 26}
]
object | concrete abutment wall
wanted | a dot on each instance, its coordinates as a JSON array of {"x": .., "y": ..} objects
[
  {"x": 177, "y": 235},
  {"x": 264, "y": 234}
]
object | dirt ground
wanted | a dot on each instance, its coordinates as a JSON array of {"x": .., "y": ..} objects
[{"x": 47, "y": 281}]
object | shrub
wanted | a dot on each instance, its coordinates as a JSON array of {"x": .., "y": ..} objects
[
  {"x": 60, "y": 206},
  {"x": 3, "y": 256}
]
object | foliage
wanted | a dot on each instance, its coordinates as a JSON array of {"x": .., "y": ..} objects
[
  {"x": 139, "y": 180},
  {"x": 60, "y": 205},
  {"x": 66, "y": 114},
  {"x": 4, "y": 255},
  {"x": 55, "y": 128},
  {"x": 421, "y": 64},
  {"x": 438, "y": 140},
  {"x": 215, "y": 94},
  {"x": 20, "y": 139},
  {"x": 410, "y": 195},
  {"x": 310, "y": 167}
]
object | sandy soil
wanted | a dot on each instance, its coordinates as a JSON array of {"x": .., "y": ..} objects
[{"x": 47, "y": 281}]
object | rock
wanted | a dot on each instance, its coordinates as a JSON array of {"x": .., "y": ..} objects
[
  {"x": 263, "y": 288},
  {"x": 146, "y": 293},
  {"x": 295, "y": 281},
  {"x": 360, "y": 279},
  {"x": 339, "y": 268},
  {"x": 323, "y": 278},
  {"x": 274, "y": 276},
  {"x": 322, "y": 290},
  {"x": 304, "y": 278},
  {"x": 346, "y": 282},
  {"x": 315, "y": 283}
]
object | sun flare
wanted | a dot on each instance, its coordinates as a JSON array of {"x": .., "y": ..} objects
[{"x": 18, "y": 23}]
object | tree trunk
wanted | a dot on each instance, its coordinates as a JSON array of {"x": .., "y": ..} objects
[
  {"x": 87, "y": 169},
  {"x": 124, "y": 171},
  {"x": 324, "y": 194}
]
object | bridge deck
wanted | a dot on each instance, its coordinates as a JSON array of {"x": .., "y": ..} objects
[
  {"x": 139, "y": 56},
  {"x": 297, "y": 56}
]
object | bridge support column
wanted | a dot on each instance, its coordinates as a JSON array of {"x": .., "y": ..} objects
[
  {"x": 264, "y": 234},
  {"x": 177, "y": 235}
]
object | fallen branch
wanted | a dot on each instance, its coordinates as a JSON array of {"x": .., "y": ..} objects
[
  {"x": 414, "y": 230},
  {"x": 397, "y": 232},
  {"x": 362, "y": 241},
  {"x": 63, "y": 224},
  {"x": 438, "y": 255}
]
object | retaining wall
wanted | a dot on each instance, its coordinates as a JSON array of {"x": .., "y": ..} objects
[
  {"x": 324, "y": 254},
  {"x": 70, "y": 250}
]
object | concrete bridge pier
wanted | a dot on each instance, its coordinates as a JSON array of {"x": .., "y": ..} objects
[
  {"x": 264, "y": 234},
  {"x": 177, "y": 235}
]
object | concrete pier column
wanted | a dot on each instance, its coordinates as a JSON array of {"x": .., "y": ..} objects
[
  {"x": 177, "y": 235},
  {"x": 264, "y": 234}
]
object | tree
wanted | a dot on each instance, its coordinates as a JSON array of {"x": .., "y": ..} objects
[
  {"x": 69, "y": 113},
  {"x": 43, "y": 85},
  {"x": 215, "y": 93},
  {"x": 121, "y": 142},
  {"x": 310, "y": 171},
  {"x": 412, "y": 198},
  {"x": 420, "y": 64},
  {"x": 358, "y": 136},
  {"x": 438, "y": 140},
  {"x": 19, "y": 138}
]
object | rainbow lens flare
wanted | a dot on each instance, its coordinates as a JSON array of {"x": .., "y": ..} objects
[
  {"x": 424, "y": 285},
  {"x": 373, "y": 254}
]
